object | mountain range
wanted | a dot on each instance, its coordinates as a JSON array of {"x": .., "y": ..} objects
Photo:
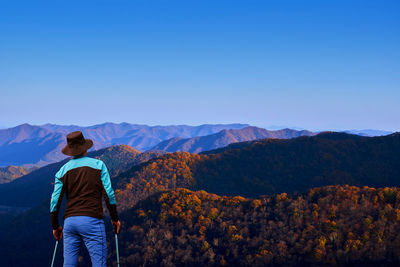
[
  {"x": 27, "y": 145},
  {"x": 225, "y": 137},
  {"x": 41, "y": 145}
]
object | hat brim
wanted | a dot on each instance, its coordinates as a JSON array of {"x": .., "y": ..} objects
[{"x": 77, "y": 150}]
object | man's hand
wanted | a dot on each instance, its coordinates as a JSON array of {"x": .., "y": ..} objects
[
  {"x": 116, "y": 226},
  {"x": 58, "y": 233}
]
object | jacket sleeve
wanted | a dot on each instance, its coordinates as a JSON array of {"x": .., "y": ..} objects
[
  {"x": 56, "y": 199},
  {"x": 108, "y": 193}
]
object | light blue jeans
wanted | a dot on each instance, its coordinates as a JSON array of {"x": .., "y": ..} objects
[{"x": 91, "y": 232}]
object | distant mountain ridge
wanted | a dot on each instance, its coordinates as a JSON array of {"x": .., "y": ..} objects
[
  {"x": 41, "y": 145},
  {"x": 225, "y": 137},
  {"x": 26, "y": 144},
  {"x": 369, "y": 132}
]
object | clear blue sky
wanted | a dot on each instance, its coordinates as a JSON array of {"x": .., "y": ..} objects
[{"x": 311, "y": 64}]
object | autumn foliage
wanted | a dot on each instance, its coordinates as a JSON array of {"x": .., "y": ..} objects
[
  {"x": 160, "y": 174},
  {"x": 332, "y": 225}
]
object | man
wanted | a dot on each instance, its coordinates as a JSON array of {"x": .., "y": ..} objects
[{"x": 84, "y": 180}]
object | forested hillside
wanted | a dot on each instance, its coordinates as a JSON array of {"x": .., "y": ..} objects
[
  {"x": 10, "y": 173},
  {"x": 270, "y": 166},
  {"x": 327, "y": 226}
]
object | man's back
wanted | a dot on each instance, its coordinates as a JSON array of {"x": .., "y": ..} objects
[{"x": 83, "y": 180}]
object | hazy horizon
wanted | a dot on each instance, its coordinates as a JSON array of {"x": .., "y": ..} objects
[{"x": 268, "y": 127}]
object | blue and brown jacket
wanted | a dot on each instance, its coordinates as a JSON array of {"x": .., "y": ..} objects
[{"x": 83, "y": 180}]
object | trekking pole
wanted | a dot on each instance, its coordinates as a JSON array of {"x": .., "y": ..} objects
[
  {"x": 54, "y": 254},
  {"x": 116, "y": 243}
]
